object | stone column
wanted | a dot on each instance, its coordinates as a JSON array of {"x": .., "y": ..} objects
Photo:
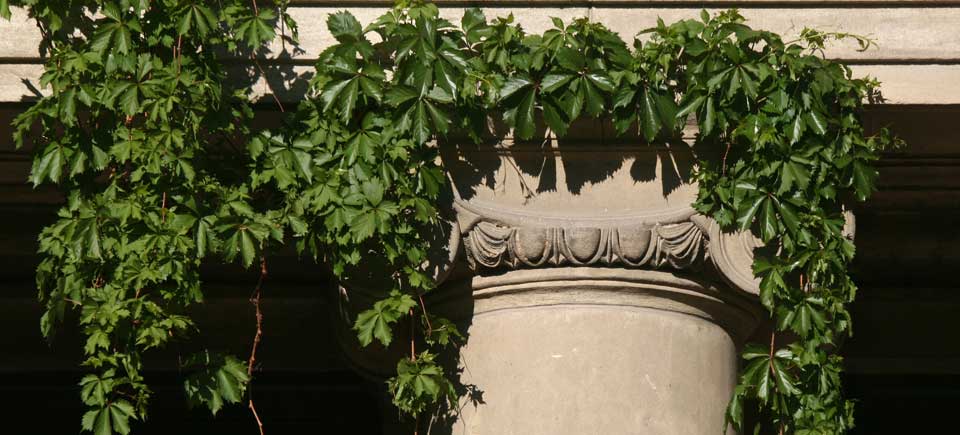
[{"x": 595, "y": 299}]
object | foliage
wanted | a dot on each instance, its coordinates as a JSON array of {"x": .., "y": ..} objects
[
  {"x": 140, "y": 132},
  {"x": 136, "y": 130}
]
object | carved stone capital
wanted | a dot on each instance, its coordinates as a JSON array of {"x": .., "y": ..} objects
[{"x": 498, "y": 240}]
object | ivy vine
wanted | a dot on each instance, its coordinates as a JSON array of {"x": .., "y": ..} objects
[{"x": 162, "y": 171}]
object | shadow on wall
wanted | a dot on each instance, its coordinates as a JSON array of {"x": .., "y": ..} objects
[{"x": 568, "y": 164}]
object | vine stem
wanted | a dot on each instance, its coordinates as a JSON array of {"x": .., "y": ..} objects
[
  {"x": 413, "y": 335},
  {"x": 413, "y": 357},
  {"x": 255, "y": 300},
  {"x": 426, "y": 317},
  {"x": 773, "y": 369}
]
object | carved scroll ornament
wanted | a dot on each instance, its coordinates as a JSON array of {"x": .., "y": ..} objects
[
  {"x": 497, "y": 240},
  {"x": 492, "y": 245}
]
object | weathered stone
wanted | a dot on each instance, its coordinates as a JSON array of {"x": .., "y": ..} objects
[{"x": 599, "y": 301}]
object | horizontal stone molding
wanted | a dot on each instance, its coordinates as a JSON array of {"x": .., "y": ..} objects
[
  {"x": 603, "y": 286},
  {"x": 901, "y": 84},
  {"x": 908, "y": 32}
]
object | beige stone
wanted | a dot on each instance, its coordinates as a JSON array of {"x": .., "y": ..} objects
[
  {"x": 916, "y": 58},
  {"x": 598, "y": 301},
  {"x": 901, "y": 33}
]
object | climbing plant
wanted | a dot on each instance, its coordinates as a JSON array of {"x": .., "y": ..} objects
[
  {"x": 140, "y": 131},
  {"x": 152, "y": 145}
]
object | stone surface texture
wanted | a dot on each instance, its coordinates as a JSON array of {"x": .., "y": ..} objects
[
  {"x": 917, "y": 57},
  {"x": 594, "y": 298}
]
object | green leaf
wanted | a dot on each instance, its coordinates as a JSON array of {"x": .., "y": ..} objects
[
  {"x": 514, "y": 85},
  {"x": 130, "y": 100},
  {"x": 708, "y": 118},
  {"x": 524, "y": 125},
  {"x": 48, "y": 167},
  {"x": 863, "y": 179},
  {"x": 399, "y": 95},
  {"x": 793, "y": 173},
  {"x": 768, "y": 221},
  {"x": 344, "y": 26},
  {"x": 248, "y": 247},
  {"x": 816, "y": 122},
  {"x": 601, "y": 81},
  {"x": 216, "y": 380},
  {"x": 421, "y": 124},
  {"x": 373, "y": 191},
  {"x": 570, "y": 59},
  {"x": 690, "y": 105},
  {"x": 555, "y": 117},
  {"x": 552, "y": 82},
  {"x": 375, "y": 322},
  {"x": 789, "y": 216},
  {"x": 795, "y": 130},
  {"x": 593, "y": 100},
  {"x": 120, "y": 413},
  {"x": 649, "y": 120},
  {"x": 5, "y": 10},
  {"x": 348, "y": 100},
  {"x": 746, "y": 215},
  {"x": 331, "y": 91},
  {"x": 623, "y": 98}
]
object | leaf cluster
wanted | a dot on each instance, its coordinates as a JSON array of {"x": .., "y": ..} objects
[{"x": 139, "y": 123}]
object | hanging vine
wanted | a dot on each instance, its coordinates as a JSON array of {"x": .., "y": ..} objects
[
  {"x": 161, "y": 170},
  {"x": 140, "y": 131}
]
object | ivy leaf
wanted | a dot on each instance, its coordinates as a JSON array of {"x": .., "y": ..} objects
[
  {"x": 514, "y": 85},
  {"x": 419, "y": 383},
  {"x": 375, "y": 322},
  {"x": 373, "y": 191},
  {"x": 793, "y": 173},
  {"x": 344, "y": 27},
  {"x": 48, "y": 167},
  {"x": 593, "y": 100},
  {"x": 708, "y": 117},
  {"x": 795, "y": 129},
  {"x": 399, "y": 95},
  {"x": 331, "y": 93},
  {"x": 649, "y": 121},
  {"x": 218, "y": 379},
  {"x": 768, "y": 221},
  {"x": 816, "y": 122},
  {"x": 601, "y": 81},
  {"x": 521, "y": 117},
  {"x": 197, "y": 15},
  {"x": 746, "y": 216},
  {"x": 552, "y": 82},
  {"x": 554, "y": 116},
  {"x": 255, "y": 29},
  {"x": 421, "y": 124},
  {"x": 114, "y": 417},
  {"x": 863, "y": 179},
  {"x": 789, "y": 216},
  {"x": 690, "y": 105},
  {"x": 248, "y": 248},
  {"x": 623, "y": 98},
  {"x": 570, "y": 59}
]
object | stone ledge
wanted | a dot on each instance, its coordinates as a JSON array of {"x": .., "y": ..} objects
[{"x": 902, "y": 33}]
